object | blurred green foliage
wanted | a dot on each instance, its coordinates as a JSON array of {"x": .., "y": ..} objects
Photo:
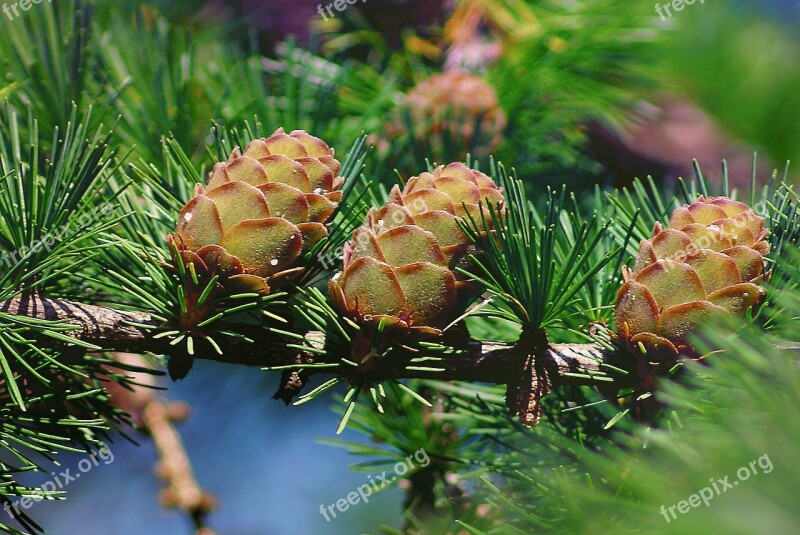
[{"x": 744, "y": 69}]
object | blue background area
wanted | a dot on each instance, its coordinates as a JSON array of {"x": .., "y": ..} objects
[{"x": 260, "y": 458}]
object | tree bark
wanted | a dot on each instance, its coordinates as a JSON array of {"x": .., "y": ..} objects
[{"x": 115, "y": 330}]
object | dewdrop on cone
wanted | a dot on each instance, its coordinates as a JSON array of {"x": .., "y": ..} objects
[
  {"x": 399, "y": 268},
  {"x": 707, "y": 262}
]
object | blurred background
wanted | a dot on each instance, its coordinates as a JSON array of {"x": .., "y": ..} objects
[{"x": 576, "y": 92}]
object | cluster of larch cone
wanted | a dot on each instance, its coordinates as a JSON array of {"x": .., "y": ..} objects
[
  {"x": 267, "y": 205},
  {"x": 248, "y": 229}
]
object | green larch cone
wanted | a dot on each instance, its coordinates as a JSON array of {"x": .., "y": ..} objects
[
  {"x": 260, "y": 211},
  {"x": 708, "y": 261},
  {"x": 399, "y": 268},
  {"x": 455, "y": 105}
]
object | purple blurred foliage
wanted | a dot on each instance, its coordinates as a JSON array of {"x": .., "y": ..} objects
[{"x": 275, "y": 20}]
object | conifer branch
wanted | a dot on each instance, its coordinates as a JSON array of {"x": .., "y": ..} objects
[
  {"x": 157, "y": 418},
  {"x": 133, "y": 332},
  {"x": 182, "y": 491}
]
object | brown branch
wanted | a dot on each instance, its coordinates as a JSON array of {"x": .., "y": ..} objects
[
  {"x": 182, "y": 491},
  {"x": 157, "y": 418},
  {"x": 115, "y": 330}
]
